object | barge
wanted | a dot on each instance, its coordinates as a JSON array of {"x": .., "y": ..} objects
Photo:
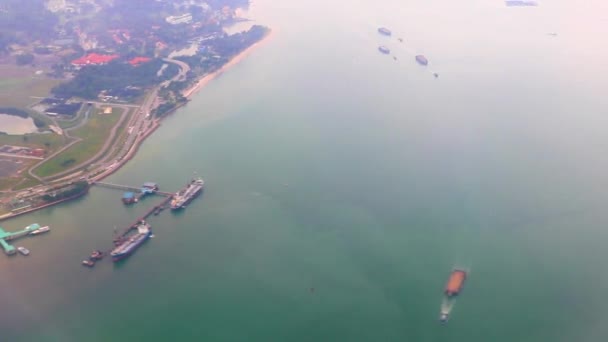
[{"x": 455, "y": 283}]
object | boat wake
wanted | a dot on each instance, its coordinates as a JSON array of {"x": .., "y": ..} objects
[{"x": 446, "y": 308}]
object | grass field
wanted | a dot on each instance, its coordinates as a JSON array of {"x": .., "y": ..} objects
[
  {"x": 94, "y": 135},
  {"x": 49, "y": 142},
  {"x": 19, "y": 84}
]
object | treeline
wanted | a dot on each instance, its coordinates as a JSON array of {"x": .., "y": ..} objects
[
  {"x": 235, "y": 43},
  {"x": 226, "y": 48},
  {"x": 113, "y": 77},
  {"x": 14, "y": 112}
]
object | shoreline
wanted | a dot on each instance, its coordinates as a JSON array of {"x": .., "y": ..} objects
[
  {"x": 200, "y": 84},
  {"x": 204, "y": 80}
]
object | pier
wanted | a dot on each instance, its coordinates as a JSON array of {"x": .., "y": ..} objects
[
  {"x": 128, "y": 188},
  {"x": 120, "y": 235},
  {"x": 7, "y": 236}
]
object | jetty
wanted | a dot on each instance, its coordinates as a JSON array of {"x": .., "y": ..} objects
[
  {"x": 8, "y": 236},
  {"x": 130, "y": 188}
]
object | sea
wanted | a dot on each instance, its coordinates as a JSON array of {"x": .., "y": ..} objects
[{"x": 344, "y": 185}]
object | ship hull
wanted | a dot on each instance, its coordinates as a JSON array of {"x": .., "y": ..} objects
[
  {"x": 187, "y": 201},
  {"x": 132, "y": 249}
]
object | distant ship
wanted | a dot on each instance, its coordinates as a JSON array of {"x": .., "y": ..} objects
[
  {"x": 422, "y": 60},
  {"x": 129, "y": 246},
  {"x": 384, "y": 50},
  {"x": 186, "y": 195},
  {"x": 513, "y": 3},
  {"x": 40, "y": 230},
  {"x": 384, "y": 31}
]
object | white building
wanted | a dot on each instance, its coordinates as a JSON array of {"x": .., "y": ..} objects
[{"x": 179, "y": 19}]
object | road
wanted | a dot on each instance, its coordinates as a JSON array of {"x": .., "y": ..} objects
[{"x": 140, "y": 126}]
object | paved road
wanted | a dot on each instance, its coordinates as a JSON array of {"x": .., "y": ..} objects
[{"x": 140, "y": 122}]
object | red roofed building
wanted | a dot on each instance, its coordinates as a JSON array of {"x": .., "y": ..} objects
[
  {"x": 94, "y": 59},
  {"x": 138, "y": 60}
]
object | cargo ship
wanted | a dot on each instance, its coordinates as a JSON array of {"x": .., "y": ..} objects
[
  {"x": 384, "y": 31},
  {"x": 455, "y": 283},
  {"x": 516, "y": 3},
  {"x": 422, "y": 60},
  {"x": 384, "y": 50},
  {"x": 187, "y": 194},
  {"x": 128, "y": 246}
]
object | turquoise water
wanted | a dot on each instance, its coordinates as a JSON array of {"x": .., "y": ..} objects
[{"x": 343, "y": 186}]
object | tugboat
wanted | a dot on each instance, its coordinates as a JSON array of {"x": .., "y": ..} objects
[
  {"x": 88, "y": 263},
  {"x": 96, "y": 255},
  {"x": 23, "y": 250}
]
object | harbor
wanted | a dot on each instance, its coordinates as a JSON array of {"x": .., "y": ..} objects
[{"x": 127, "y": 239}]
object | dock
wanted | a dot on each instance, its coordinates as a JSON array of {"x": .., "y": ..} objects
[
  {"x": 128, "y": 188},
  {"x": 120, "y": 235}
]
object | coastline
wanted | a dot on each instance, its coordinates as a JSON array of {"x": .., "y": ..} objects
[
  {"x": 200, "y": 84},
  {"x": 204, "y": 80}
]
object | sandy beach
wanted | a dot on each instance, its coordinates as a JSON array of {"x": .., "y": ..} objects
[{"x": 204, "y": 80}]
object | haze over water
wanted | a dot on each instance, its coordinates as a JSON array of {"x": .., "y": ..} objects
[{"x": 331, "y": 166}]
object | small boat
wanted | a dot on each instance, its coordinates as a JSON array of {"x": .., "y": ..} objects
[
  {"x": 23, "y": 250},
  {"x": 88, "y": 263},
  {"x": 96, "y": 255},
  {"x": 384, "y": 49},
  {"x": 40, "y": 230},
  {"x": 400, "y": 40},
  {"x": 436, "y": 75}
]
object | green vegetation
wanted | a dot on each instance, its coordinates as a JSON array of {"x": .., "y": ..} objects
[
  {"x": 49, "y": 142},
  {"x": 114, "y": 77},
  {"x": 94, "y": 135},
  {"x": 14, "y": 111}
]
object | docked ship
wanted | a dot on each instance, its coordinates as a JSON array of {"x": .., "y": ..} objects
[
  {"x": 40, "y": 230},
  {"x": 187, "y": 194},
  {"x": 128, "y": 246},
  {"x": 422, "y": 60}
]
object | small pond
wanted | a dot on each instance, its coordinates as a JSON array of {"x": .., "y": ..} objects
[{"x": 16, "y": 125}]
